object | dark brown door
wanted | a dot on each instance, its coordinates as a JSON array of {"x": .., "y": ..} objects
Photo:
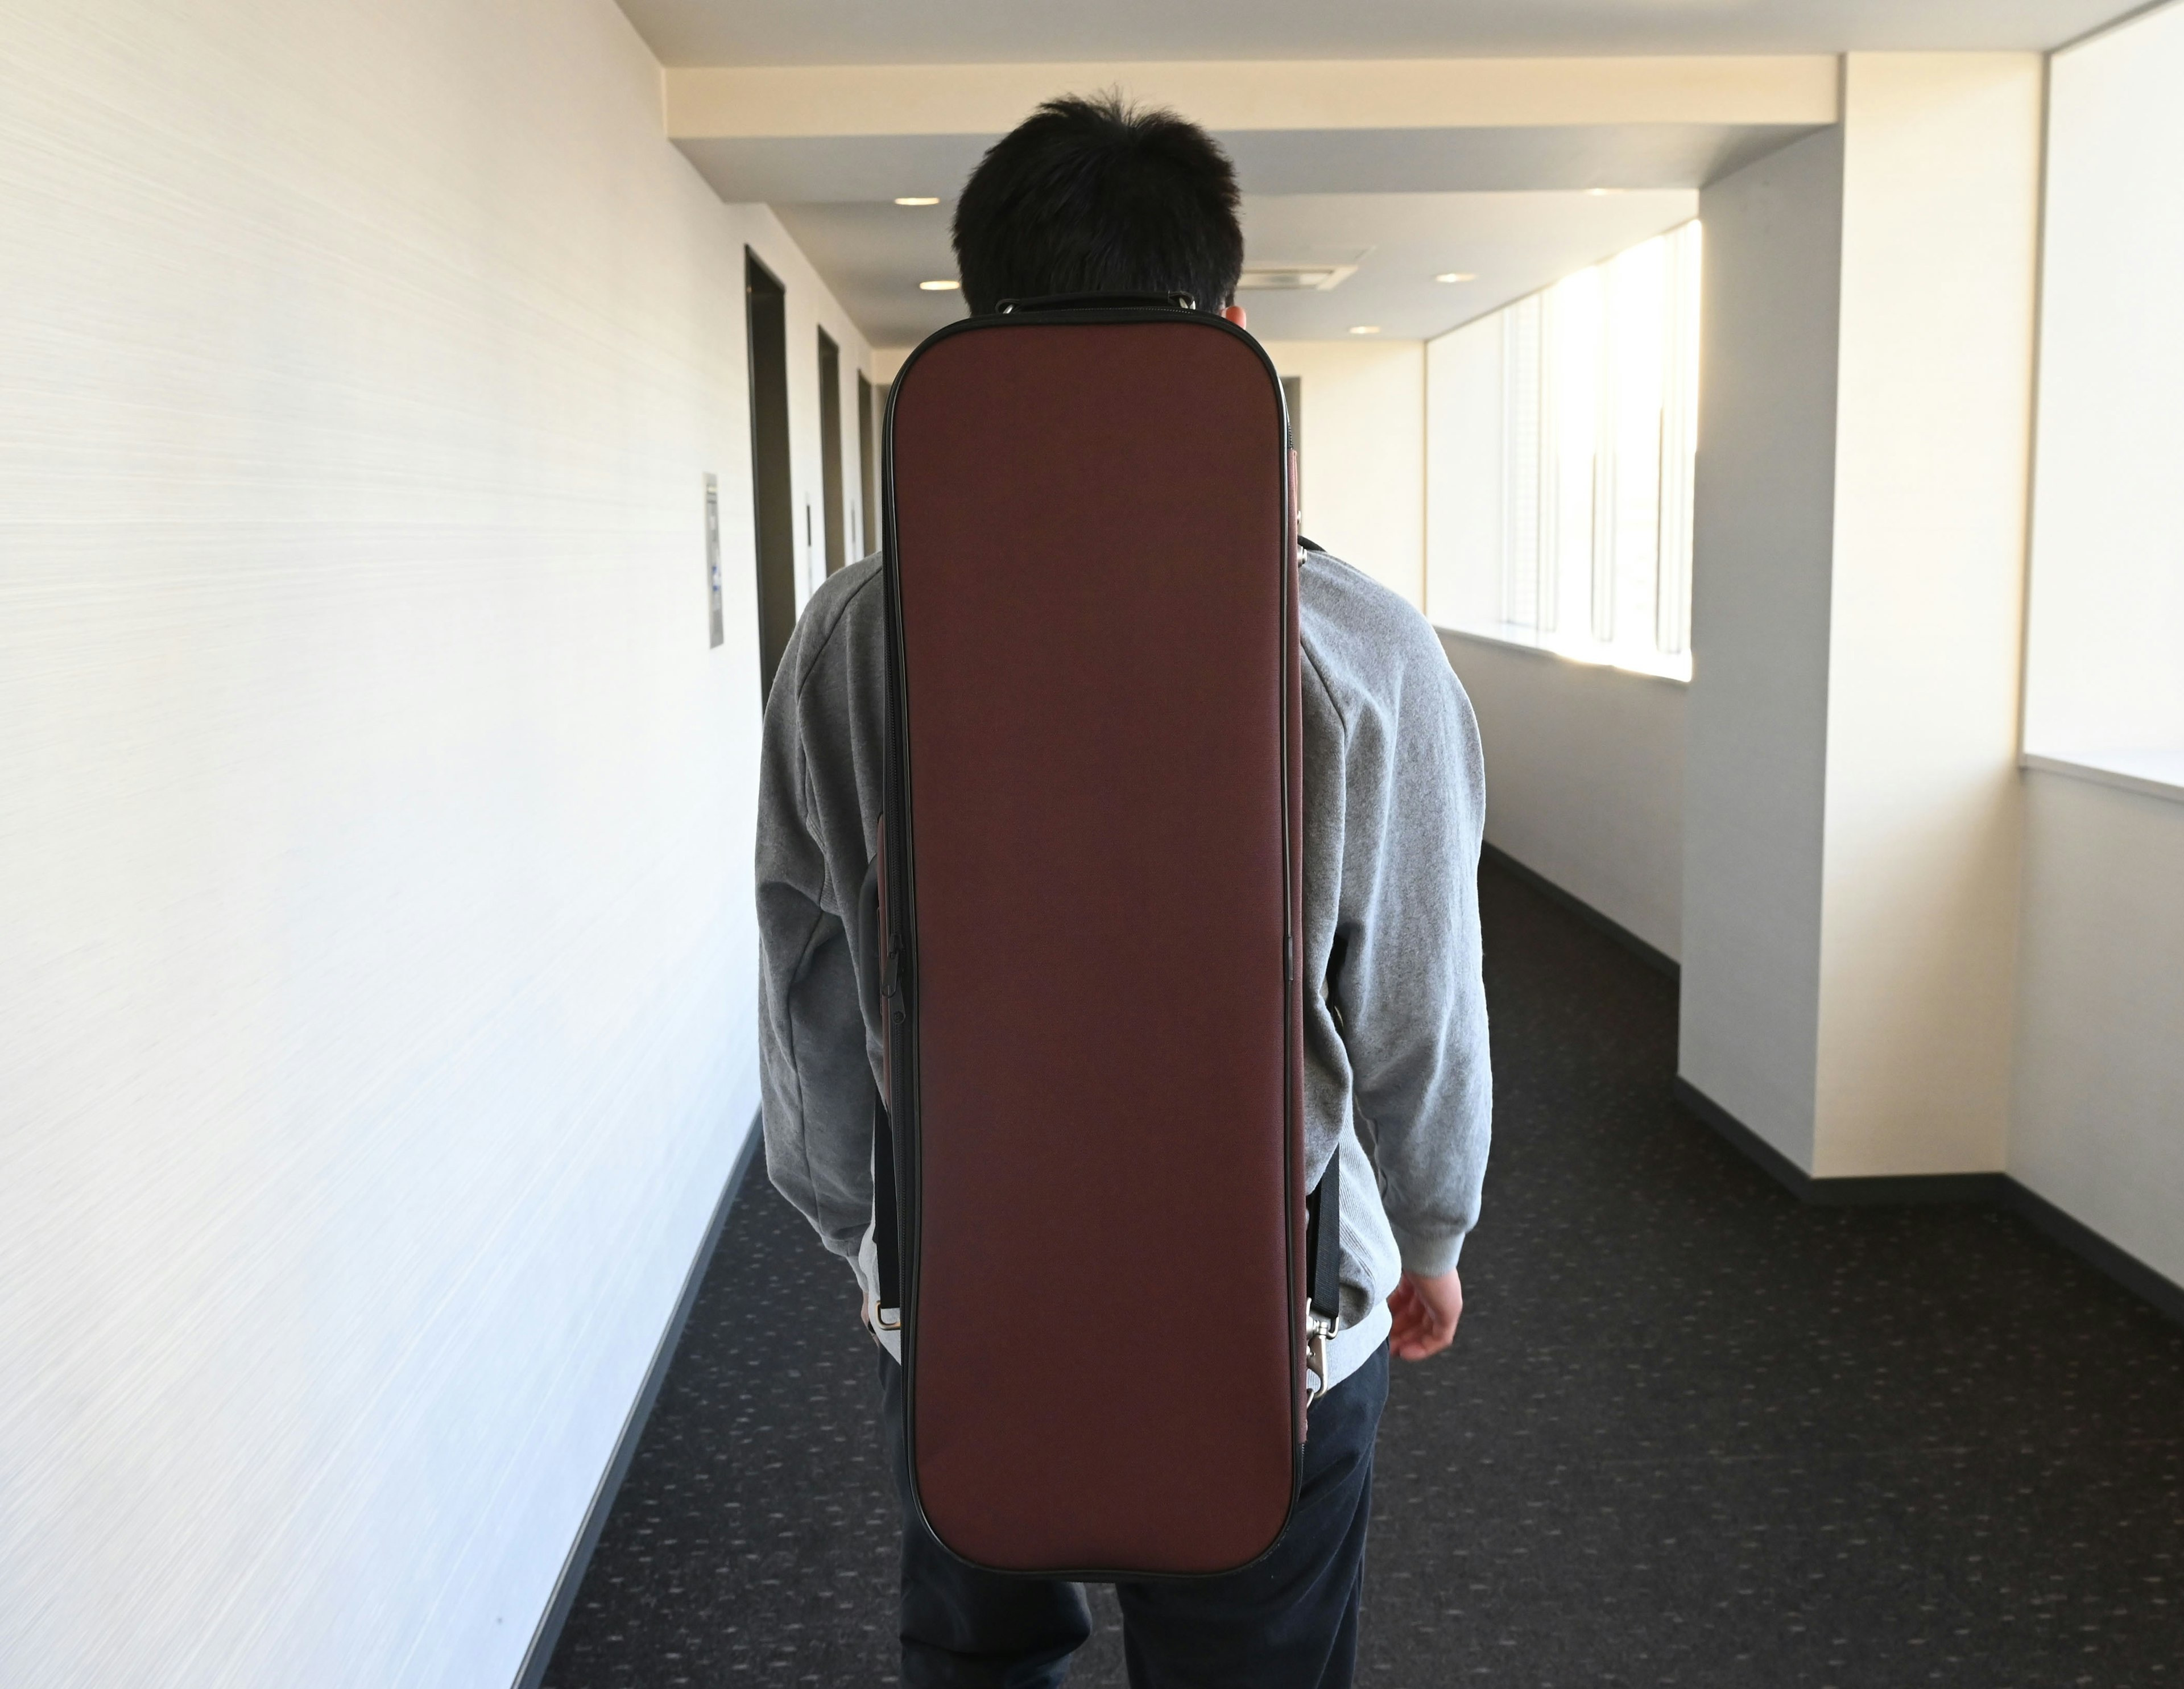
[
  {"x": 868, "y": 465},
  {"x": 773, "y": 499},
  {"x": 830, "y": 449}
]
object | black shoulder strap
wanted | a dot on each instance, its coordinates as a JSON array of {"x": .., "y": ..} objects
[
  {"x": 887, "y": 1242},
  {"x": 1323, "y": 1240},
  {"x": 1323, "y": 1207},
  {"x": 868, "y": 939}
]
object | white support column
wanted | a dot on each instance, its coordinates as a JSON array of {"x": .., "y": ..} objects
[
  {"x": 1933, "y": 443},
  {"x": 1852, "y": 815}
]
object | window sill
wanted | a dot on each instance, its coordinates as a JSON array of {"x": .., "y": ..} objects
[
  {"x": 2150, "y": 773},
  {"x": 1675, "y": 671}
]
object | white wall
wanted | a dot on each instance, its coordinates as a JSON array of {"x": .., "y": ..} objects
[
  {"x": 374, "y": 870},
  {"x": 1584, "y": 778},
  {"x": 809, "y": 307},
  {"x": 2099, "y": 1117},
  {"x": 1756, "y": 746},
  {"x": 1363, "y": 447}
]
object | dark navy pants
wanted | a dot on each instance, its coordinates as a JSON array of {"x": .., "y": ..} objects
[{"x": 1288, "y": 1622}]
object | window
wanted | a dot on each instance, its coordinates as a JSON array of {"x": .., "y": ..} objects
[
  {"x": 2105, "y": 662},
  {"x": 1561, "y": 437}
]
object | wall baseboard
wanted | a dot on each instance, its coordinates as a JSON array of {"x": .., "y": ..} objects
[
  {"x": 1992, "y": 1190},
  {"x": 2156, "y": 1288},
  {"x": 1659, "y": 960},
  {"x": 544, "y": 1639},
  {"x": 1839, "y": 1193},
  {"x": 1995, "y": 1190}
]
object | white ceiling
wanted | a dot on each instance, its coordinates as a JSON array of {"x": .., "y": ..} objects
[
  {"x": 1513, "y": 242},
  {"x": 873, "y": 256},
  {"x": 1506, "y": 203},
  {"x": 1002, "y": 32},
  {"x": 1404, "y": 204}
]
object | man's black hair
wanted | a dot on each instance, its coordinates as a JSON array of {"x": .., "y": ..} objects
[{"x": 1097, "y": 196}]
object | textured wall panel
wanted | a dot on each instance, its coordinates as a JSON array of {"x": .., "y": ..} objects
[{"x": 376, "y": 949}]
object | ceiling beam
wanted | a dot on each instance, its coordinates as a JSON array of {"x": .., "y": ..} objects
[
  {"x": 748, "y": 103},
  {"x": 853, "y": 168}
]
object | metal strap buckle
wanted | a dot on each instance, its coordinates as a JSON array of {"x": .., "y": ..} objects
[{"x": 1318, "y": 1330}]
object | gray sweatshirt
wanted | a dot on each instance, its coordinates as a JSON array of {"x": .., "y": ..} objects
[{"x": 1395, "y": 1058}]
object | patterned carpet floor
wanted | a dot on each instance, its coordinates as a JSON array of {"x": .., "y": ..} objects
[{"x": 1691, "y": 1433}]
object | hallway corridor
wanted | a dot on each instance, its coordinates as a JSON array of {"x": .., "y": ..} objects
[{"x": 1692, "y": 1432}]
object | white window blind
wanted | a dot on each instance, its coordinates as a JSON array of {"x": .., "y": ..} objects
[{"x": 1562, "y": 432}]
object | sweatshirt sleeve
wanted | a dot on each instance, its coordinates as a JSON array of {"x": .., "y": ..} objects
[
  {"x": 1414, "y": 1006},
  {"x": 815, "y": 1078}
]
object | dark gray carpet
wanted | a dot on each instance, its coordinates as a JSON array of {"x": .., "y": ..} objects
[{"x": 1693, "y": 1433}]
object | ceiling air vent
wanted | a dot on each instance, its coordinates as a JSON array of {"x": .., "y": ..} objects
[{"x": 1294, "y": 278}]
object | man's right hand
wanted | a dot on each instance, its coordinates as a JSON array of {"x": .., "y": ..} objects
[{"x": 1426, "y": 1311}]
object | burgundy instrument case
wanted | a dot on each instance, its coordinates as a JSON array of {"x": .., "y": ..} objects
[{"x": 1086, "y": 900}]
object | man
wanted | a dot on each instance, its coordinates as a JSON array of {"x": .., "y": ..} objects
[{"x": 1092, "y": 196}]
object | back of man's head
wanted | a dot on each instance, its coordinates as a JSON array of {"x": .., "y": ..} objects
[{"x": 1095, "y": 195}]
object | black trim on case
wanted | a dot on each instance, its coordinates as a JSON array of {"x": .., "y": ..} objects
[{"x": 887, "y": 1217}]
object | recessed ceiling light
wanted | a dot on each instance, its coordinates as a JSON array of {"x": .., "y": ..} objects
[
  {"x": 1456, "y": 276},
  {"x": 1602, "y": 193},
  {"x": 947, "y": 287},
  {"x": 916, "y": 200},
  {"x": 1366, "y": 328}
]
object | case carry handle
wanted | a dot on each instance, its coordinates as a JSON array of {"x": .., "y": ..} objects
[{"x": 1081, "y": 301}]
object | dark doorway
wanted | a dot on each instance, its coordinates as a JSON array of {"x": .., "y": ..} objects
[
  {"x": 868, "y": 470},
  {"x": 773, "y": 499},
  {"x": 830, "y": 449}
]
